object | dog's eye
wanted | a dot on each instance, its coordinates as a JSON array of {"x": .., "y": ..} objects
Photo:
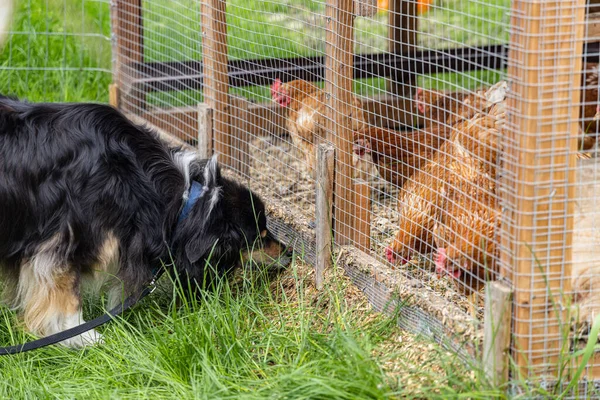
[{"x": 263, "y": 233}]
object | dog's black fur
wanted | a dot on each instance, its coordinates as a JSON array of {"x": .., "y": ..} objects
[{"x": 73, "y": 176}]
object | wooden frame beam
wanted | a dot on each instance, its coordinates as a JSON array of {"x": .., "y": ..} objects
[
  {"x": 540, "y": 145},
  {"x": 216, "y": 88},
  {"x": 128, "y": 51},
  {"x": 339, "y": 50}
]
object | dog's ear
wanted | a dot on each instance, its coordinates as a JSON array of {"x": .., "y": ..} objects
[
  {"x": 196, "y": 248},
  {"x": 211, "y": 247},
  {"x": 212, "y": 173}
]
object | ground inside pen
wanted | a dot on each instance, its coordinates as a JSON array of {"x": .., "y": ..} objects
[
  {"x": 278, "y": 170},
  {"x": 261, "y": 335}
]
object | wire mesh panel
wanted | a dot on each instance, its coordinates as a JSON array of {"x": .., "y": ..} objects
[
  {"x": 456, "y": 127},
  {"x": 57, "y": 50},
  {"x": 396, "y": 89},
  {"x": 434, "y": 209}
]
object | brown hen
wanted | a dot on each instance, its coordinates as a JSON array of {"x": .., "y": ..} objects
[
  {"x": 448, "y": 109},
  {"x": 470, "y": 153},
  {"x": 398, "y": 155},
  {"x": 306, "y": 116},
  {"x": 440, "y": 108},
  {"x": 465, "y": 235}
]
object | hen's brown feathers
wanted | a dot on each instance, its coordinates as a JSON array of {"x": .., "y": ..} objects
[
  {"x": 306, "y": 115},
  {"x": 470, "y": 154},
  {"x": 466, "y": 227},
  {"x": 399, "y": 154}
]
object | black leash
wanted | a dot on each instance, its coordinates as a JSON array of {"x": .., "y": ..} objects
[{"x": 87, "y": 326}]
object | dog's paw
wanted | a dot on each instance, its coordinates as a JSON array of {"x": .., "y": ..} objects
[{"x": 88, "y": 338}]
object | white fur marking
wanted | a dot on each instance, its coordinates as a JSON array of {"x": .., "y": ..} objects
[
  {"x": 45, "y": 297},
  {"x": 62, "y": 323},
  {"x": 210, "y": 171},
  {"x": 182, "y": 161},
  {"x": 214, "y": 199},
  {"x": 210, "y": 182}
]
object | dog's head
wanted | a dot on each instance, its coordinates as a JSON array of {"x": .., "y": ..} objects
[{"x": 226, "y": 227}]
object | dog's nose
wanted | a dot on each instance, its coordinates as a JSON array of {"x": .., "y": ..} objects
[{"x": 289, "y": 251}]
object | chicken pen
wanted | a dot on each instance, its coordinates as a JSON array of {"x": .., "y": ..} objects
[{"x": 447, "y": 147}]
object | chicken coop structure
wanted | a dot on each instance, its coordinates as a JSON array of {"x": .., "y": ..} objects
[{"x": 463, "y": 185}]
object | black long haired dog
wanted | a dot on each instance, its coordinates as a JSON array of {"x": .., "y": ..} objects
[{"x": 85, "y": 195}]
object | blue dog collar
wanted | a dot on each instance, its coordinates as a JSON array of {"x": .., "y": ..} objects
[{"x": 196, "y": 191}]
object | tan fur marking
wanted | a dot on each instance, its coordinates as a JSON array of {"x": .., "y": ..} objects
[
  {"x": 105, "y": 272},
  {"x": 265, "y": 254},
  {"x": 50, "y": 303}
]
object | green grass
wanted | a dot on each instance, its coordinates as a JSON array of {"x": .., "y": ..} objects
[
  {"x": 253, "y": 339},
  {"x": 65, "y": 66}
]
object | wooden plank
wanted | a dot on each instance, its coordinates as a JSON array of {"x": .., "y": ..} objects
[
  {"x": 402, "y": 39},
  {"x": 239, "y": 115},
  {"x": 164, "y": 135},
  {"x": 113, "y": 95},
  {"x": 183, "y": 75},
  {"x": 496, "y": 331},
  {"x": 205, "y": 130},
  {"x": 338, "y": 85},
  {"x": 362, "y": 229},
  {"x": 593, "y": 27},
  {"x": 268, "y": 119},
  {"x": 128, "y": 50},
  {"x": 214, "y": 54},
  {"x": 423, "y": 310},
  {"x": 538, "y": 187},
  {"x": 323, "y": 208}
]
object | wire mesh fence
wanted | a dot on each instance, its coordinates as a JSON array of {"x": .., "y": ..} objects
[{"x": 464, "y": 137}]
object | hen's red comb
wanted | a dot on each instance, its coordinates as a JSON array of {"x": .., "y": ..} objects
[
  {"x": 276, "y": 85},
  {"x": 440, "y": 260},
  {"x": 389, "y": 254}
]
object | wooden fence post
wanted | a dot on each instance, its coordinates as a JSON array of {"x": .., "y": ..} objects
[
  {"x": 239, "y": 116},
  {"x": 216, "y": 79},
  {"x": 338, "y": 85},
  {"x": 362, "y": 232},
  {"x": 323, "y": 216},
  {"x": 128, "y": 52},
  {"x": 403, "y": 33},
  {"x": 205, "y": 131},
  {"x": 113, "y": 95},
  {"x": 540, "y": 142},
  {"x": 496, "y": 331}
]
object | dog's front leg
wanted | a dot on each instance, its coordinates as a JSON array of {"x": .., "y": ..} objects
[{"x": 49, "y": 299}]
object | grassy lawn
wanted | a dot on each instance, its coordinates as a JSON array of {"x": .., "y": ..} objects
[{"x": 258, "y": 337}]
